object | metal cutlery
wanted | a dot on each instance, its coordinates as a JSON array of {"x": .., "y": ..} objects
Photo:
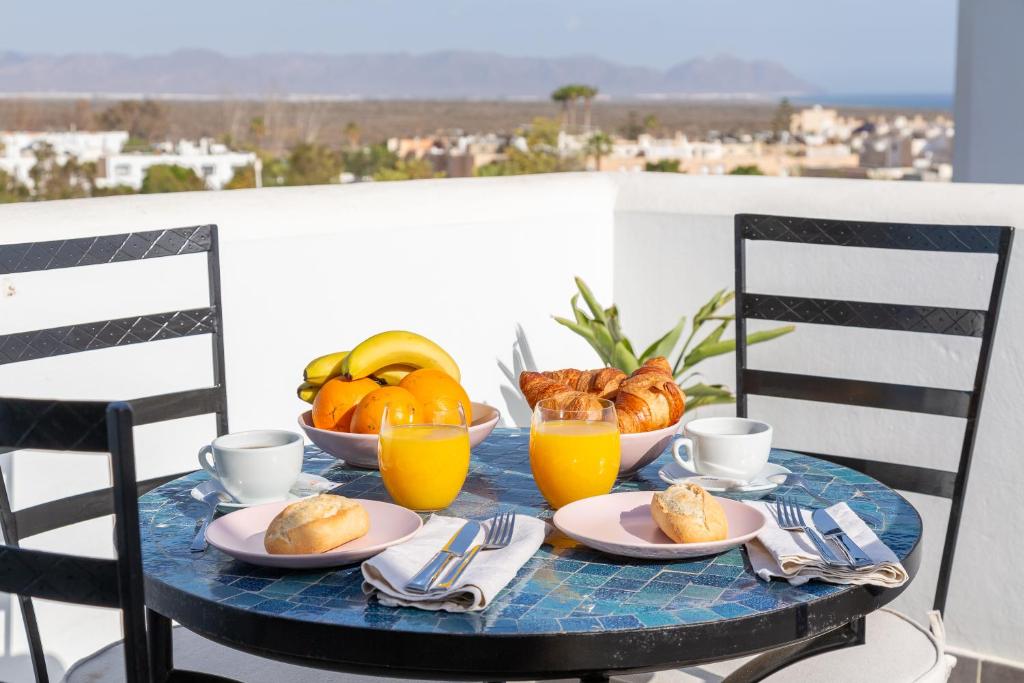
[
  {"x": 791, "y": 519},
  {"x": 212, "y": 499},
  {"x": 831, "y": 530},
  {"x": 499, "y": 535},
  {"x": 456, "y": 546},
  {"x": 793, "y": 480}
]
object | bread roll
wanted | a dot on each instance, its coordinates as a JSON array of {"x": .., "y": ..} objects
[
  {"x": 316, "y": 524},
  {"x": 689, "y": 514}
]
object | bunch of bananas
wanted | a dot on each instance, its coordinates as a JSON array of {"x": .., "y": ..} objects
[{"x": 386, "y": 357}]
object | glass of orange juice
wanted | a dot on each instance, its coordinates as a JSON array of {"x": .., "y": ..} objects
[
  {"x": 424, "y": 465},
  {"x": 574, "y": 454}
]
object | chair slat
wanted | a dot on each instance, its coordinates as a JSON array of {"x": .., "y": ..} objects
[
  {"x": 55, "y": 514},
  {"x": 914, "y": 399},
  {"x": 930, "y": 319},
  {"x": 105, "y": 334},
  {"x": 975, "y": 239},
  {"x": 53, "y": 576},
  {"x": 89, "y": 251},
  {"x": 925, "y": 480},
  {"x": 177, "y": 405},
  {"x": 53, "y": 425}
]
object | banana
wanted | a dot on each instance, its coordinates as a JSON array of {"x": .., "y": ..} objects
[
  {"x": 321, "y": 369},
  {"x": 393, "y": 374},
  {"x": 397, "y": 347},
  {"x": 307, "y": 391}
]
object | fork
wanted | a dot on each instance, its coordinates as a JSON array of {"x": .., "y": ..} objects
[
  {"x": 499, "y": 535},
  {"x": 788, "y": 514},
  {"x": 213, "y": 498}
]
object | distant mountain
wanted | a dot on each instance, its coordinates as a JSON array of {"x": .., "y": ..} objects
[{"x": 440, "y": 75}]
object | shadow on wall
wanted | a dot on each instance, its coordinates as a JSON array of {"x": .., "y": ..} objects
[{"x": 522, "y": 359}]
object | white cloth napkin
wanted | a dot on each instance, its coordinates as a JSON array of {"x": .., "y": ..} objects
[
  {"x": 387, "y": 573},
  {"x": 792, "y": 556}
]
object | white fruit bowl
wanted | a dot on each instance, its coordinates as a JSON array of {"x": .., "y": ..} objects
[
  {"x": 643, "y": 448},
  {"x": 360, "y": 450}
]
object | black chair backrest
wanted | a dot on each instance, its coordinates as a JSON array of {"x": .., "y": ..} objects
[
  {"x": 908, "y": 318},
  {"x": 98, "y": 426}
]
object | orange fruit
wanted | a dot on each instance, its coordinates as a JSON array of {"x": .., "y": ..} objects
[
  {"x": 440, "y": 395},
  {"x": 403, "y": 408},
  {"x": 337, "y": 400}
]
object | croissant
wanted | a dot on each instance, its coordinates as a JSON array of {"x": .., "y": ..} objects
[
  {"x": 603, "y": 383},
  {"x": 536, "y": 387},
  {"x": 649, "y": 399}
]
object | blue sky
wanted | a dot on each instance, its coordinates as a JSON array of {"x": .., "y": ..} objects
[{"x": 851, "y": 46}]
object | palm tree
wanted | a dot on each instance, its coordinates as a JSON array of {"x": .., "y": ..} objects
[
  {"x": 562, "y": 96},
  {"x": 598, "y": 145},
  {"x": 588, "y": 93}
]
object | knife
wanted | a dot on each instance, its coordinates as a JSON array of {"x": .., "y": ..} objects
[
  {"x": 828, "y": 527},
  {"x": 456, "y": 546}
]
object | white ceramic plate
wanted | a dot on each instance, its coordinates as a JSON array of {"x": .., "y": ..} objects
[
  {"x": 758, "y": 487},
  {"x": 621, "y": 524},
  {"x": 240, "y": 535},
  {"x": 305, "y": 485}
]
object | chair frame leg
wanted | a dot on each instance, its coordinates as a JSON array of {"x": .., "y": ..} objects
[
  {"x": 161, "y": 649},
  {"x": 762, "y": 666}
]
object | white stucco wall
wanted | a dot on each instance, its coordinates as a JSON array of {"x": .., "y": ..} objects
[
  {"x": 989, "y": 108},
  {"x": 310, "y": 270}
]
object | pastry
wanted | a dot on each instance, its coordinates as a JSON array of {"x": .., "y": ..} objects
[
  {"x": 689, "y": 514},
  {"x": 315, "y": 525}
]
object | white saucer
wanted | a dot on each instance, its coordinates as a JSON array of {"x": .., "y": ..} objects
[
  {"x": 758, "y": 487},
  {"x": 305, "y": 485}
]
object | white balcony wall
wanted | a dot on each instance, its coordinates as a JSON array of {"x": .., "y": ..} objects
[{"x": 311, "y": 270}]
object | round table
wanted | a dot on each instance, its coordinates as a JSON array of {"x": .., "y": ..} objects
[{"x": 570, "y": 611}]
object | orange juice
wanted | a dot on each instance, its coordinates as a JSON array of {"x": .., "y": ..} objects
[
  {"x": 574, "y": 459},
  {"x": 424, "y": 466}
]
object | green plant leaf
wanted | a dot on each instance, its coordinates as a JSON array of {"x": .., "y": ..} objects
[
  {"x": 768, "y": 335},
  {"x": 623, "y": 359},
  {"x": 667, "y": 342},
  {"x": 587, "y": 333},
  {"x": 595, "y": 308},
  {"x": 710, "y": 346},
  {"x": 713, "y": 304},
  {"x": 604, "y": 340},
  {"x": 580, "y": 316},
  {"x": 707, "y": 394}
]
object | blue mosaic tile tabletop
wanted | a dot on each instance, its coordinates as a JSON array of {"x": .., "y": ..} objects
[{"x": 565, "y": 588}]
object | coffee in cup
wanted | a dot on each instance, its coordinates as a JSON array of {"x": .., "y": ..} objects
[
  {"x": 258, "y": 466},
  {"x": 727, "y": 447}
]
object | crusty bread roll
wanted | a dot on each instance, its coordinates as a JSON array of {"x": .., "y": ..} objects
[
  {"x": 689, "y": 514},
  {"x": 317, "y": 524}
]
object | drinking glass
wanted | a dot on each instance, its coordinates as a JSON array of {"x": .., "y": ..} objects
[
  {"x": 574, "y": 453},
  {"x": 424, "y": 465}
]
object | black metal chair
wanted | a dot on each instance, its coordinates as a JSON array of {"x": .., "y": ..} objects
[
  {"x": 98, "y": 426},
  {"x": 963, "y": 404}
]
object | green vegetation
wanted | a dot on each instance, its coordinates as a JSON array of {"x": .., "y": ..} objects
[
  {"x": 663, "y": 166},
  {"x": 169, "y": 178},
  {"x": 603, "y": 331},
  {"x": 599, "y": 145},
  {"x": 752, "y": 169},
  {"x": 540, "y": 156},
  {"x": 412, "y": 169}
]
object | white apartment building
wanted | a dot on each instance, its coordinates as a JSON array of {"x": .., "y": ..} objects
[
  {"x": 211, "y": 161},
  {"x": 17, "y": 157}
]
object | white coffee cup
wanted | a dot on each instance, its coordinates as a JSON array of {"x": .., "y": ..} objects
[
  {"x": 259, "y": 466},
  {"x": 727, "y": 447}
]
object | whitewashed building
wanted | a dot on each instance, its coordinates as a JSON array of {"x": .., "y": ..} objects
[
  {"x": 17, "y": 156},
  {"x": 211, "y": 161}
]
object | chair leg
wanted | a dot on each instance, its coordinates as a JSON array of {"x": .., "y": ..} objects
[
  {"x": 762, "y": 666},
  {"x": 161, "y": 652}
]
